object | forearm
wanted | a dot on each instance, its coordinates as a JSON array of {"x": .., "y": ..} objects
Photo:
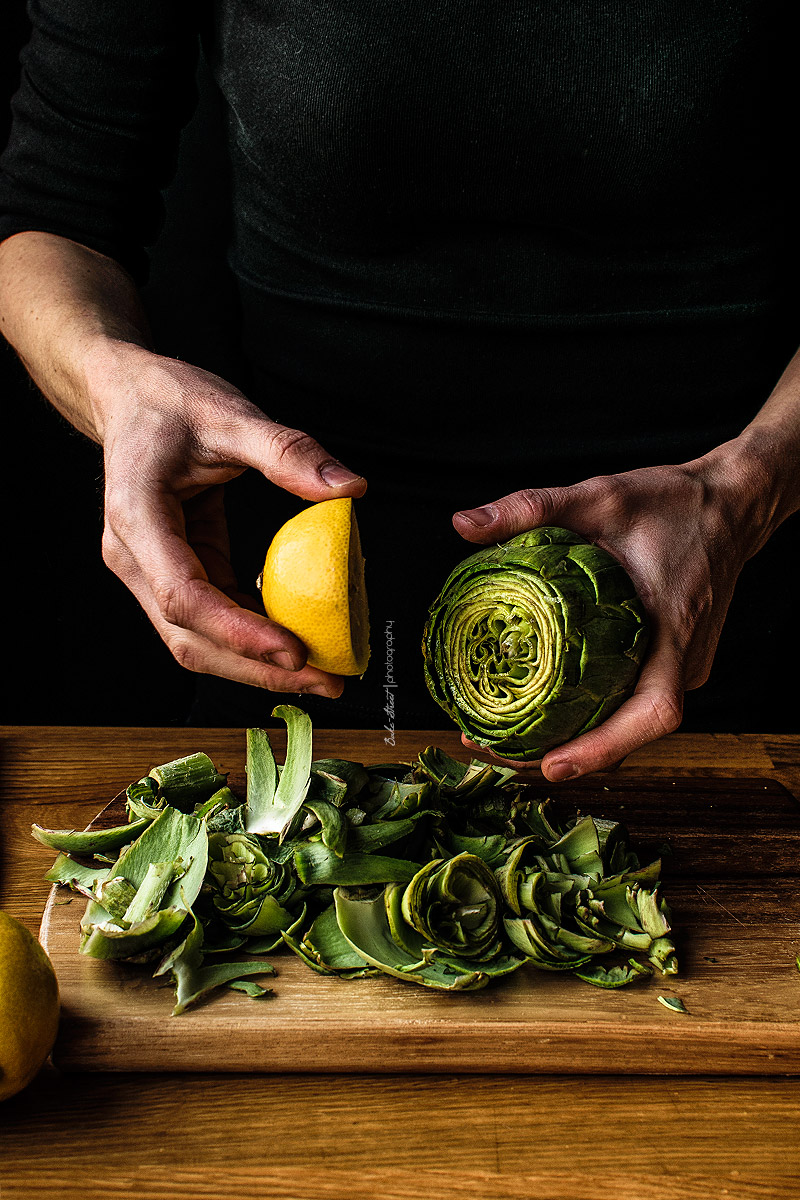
[
  {"x": 63, "y": 308},
  {"x": 767, "y": 453},
  {"x": 776, "y": 432}
]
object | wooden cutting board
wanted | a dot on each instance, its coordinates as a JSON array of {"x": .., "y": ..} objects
[{"x": 731, "y": 878}]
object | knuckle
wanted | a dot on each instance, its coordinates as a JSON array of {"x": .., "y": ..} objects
[
  {"x": 174, "y": 600},
  {"x": 609, "y": 493},
  {"x": 111, "y": 550},
  {"x": 666, "y": 712},
  {"x": 286, "y": 444},
  {"x": 533, "y": 505},
  {"x": 119, "y": 513},
  {"x": 185, "y": 653}
]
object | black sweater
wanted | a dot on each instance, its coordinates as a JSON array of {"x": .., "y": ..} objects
[{"x": 535, "y": 238}]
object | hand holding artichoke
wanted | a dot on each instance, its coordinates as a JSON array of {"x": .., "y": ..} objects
[{"x": 534, "y": 641}]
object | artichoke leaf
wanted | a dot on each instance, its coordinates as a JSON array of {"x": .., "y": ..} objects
[
  {"x": 83, "y": 879},
  {"x": 663, "y": 956},
  {"x": 490, "y": 847},
  {"x": 337, "y": 780},
  {"x": 462, "y": 780},
  {"x": 267, "y": 945},
  {"x": 379, "y": 834},
  {"x": 596, "y": 926},
  {"x": 88, "y": 842},
  {"x": 316, "y": 866},
  {"x": 334, "y": 825},
  {"x": 364, "y": 924},
  {"x": 647, "y": 876},
  {"x": 652, "y": 913},
  {"x": 142, "y": 799},
  {"x": 250, "y": 988},
  {"x": 193, "y": 980},
  {"x": 272, "y": 800},
  {"x": 614, "y": 903},
  {"x": 173, "y": 835},
  {"x": 405, "y": 799},
  {"x": 528, "y": 936},
  {"x": 101, "y": 937},
  {"x": 674, "y": 1003},
  {"x": 615, "y": 977},
  {"x": 326, "y": 943}
]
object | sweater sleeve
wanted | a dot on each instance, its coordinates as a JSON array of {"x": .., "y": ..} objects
[{"x": 105, "y": 89}]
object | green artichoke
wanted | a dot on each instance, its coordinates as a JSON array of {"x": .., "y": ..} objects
[
  {"x": 248, "y": 890},
  {"x": 455, "y": 904},
  {"x": 561, "y": 918},
  {"x": 534, "y": 641}
]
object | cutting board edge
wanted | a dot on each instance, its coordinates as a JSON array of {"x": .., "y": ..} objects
[{"x": 411, "y": 1046}]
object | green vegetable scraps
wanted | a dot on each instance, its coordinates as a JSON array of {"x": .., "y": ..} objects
[
  {"x": 673, "y": 1003},
  {"x": 438, "y": 872},
  {"x": 534, "y": 641}
]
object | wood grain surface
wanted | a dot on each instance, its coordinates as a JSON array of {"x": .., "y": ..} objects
[
  {"x": 393, "y": 1137},
  {"x": 294, "y": 1137}
]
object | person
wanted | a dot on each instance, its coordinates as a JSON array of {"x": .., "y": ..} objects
[{"x": 478, "y": 254}]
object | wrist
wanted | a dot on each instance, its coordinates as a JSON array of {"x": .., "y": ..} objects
[
  {"x": 109, "y": 366},
  {"x": 755, "y": 479}
]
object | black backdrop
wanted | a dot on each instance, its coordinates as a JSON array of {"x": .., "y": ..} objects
[{"x": 77, "y": 648}]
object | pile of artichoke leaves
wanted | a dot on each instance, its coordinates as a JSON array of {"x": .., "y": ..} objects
[{"x": 439, "y": 873}]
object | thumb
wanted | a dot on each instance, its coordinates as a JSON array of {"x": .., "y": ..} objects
[
  {"x": 521, "y": 511},
  {"x": 289, "y": 458}
]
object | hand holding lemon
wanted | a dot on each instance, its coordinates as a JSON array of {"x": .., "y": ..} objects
[{"x": 28, "y": 1006}]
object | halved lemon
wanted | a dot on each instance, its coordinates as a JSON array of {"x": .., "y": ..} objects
[{"x": 313, "y": 584}]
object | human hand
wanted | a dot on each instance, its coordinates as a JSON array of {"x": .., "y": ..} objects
[
  {"x": 172, "y": 435},
  {"x": 683, "y": 534}
]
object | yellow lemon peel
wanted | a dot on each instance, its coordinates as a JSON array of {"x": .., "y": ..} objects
[
  {"x": 28, "y": 1006},
  {"x": 313, "y": 585}
]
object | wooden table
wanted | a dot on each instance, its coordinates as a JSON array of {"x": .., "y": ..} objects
[{"x": 390, "y": 1136}]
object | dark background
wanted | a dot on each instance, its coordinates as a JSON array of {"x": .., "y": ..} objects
[{"x": 78, "y": 649}]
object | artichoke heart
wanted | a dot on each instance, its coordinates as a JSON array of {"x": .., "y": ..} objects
[{"x": 534, "y": 641}]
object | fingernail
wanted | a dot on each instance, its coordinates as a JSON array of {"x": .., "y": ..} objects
[
  {"x": 562, "y": 770},
  {"x": 317, "y": 689},
  {"x": 335, "y": 475},
  {"x": 282, "y": 659},
  {"x": 478, "y": 516}
]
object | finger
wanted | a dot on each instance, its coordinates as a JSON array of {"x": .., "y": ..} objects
[
  {"x": 653, "y": 711},
  {"x": 149, "y": 553},
  {"x": 531, "y": 764},
  {"x": 205, "y": 656},
  {"x": 288, "y": 457},
  {"x": 520, "y": 511}
]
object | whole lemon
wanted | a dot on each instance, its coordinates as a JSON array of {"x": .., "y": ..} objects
[{"x": 28, "y": 1006}]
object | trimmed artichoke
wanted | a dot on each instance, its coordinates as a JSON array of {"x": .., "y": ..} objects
[
  {"x": 534, "y": 641},
  {"x": 249, "y": 891},
  {"x": 455, "y": 904}
]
